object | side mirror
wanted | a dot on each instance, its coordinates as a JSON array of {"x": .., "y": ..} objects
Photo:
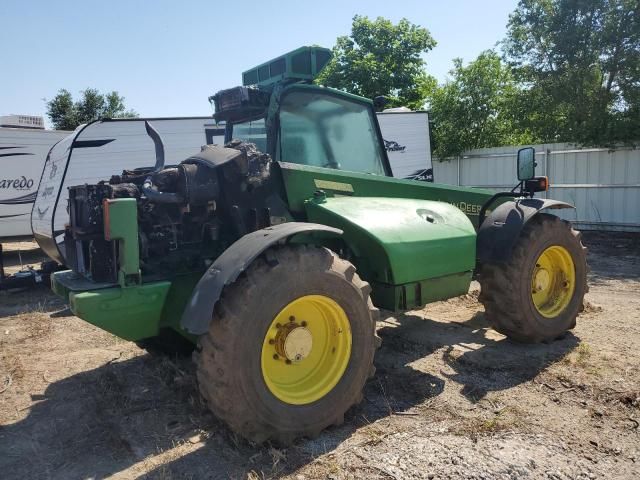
[{"x": 526, "y": 163}]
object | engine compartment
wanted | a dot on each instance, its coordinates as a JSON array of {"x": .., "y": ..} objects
[{"x": 187, "y": 213}]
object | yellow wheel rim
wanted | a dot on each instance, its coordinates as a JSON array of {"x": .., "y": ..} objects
[
  {"x": 553, "y": 281},
  {"x": 306, "y": 349}
]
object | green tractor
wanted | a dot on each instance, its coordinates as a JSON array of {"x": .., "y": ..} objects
[{"x": 273, "y": 253}]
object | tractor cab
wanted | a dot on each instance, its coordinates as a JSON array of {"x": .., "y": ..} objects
[{"x": 294, "y": 121}]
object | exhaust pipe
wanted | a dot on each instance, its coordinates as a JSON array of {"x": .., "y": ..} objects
[
  {"x": 150, "y": 191},
  {"x": 157, "y": 142}
]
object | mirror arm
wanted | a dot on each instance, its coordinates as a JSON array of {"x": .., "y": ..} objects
[{"x": 519, "y": 190}]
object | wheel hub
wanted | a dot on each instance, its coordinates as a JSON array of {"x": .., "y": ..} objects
[
  {"x": 296, "y": 344},
  {"x": 293, "y": 341},
  {"x": 541, "y": 280}
]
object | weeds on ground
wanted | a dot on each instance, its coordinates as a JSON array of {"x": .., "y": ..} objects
[
  {"x": 583, "y": 353},
  {"x": 580, "y": 356},
  {"x": 374, "y": 434},
  {"x": 508, "y": 418},
  {"x": 10, "y": 369}
]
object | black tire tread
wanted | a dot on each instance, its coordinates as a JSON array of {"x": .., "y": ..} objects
[
  {"x": 214, "y": 367},
  {"x": 497, "y": 281}
]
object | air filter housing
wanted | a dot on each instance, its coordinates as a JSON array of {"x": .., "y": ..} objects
[{"x": 304, "y": 63}]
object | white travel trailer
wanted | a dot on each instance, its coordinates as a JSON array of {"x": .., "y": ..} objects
[
  {"x": 407, "y": 138},
  {"x": 24, "y": 145}
]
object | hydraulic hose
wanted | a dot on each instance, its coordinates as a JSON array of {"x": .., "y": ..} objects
[{"x": 154, "y": 195}]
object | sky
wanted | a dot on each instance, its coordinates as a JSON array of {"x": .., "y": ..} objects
[{"x": 167, "y": 57}]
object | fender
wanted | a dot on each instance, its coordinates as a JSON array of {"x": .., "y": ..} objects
[
  {"x": 500, "y": 230},
  {"x": 234, "y": 260}
]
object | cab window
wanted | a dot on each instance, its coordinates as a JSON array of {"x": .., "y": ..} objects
[{"x": 325, "y": 130}]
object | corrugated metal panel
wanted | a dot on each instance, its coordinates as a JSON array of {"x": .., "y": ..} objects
[
  {"x": 446, "y": 171},
  {"x": 604, "y": 185}
]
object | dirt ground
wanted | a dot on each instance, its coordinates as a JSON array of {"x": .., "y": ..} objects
[{"x": 451, "y": 398}]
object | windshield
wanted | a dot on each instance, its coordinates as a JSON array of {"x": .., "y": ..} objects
[
  {"x": 325, "y": 130},
  {"x": 253, "y": 131}
]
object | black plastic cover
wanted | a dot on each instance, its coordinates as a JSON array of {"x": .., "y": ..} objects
[
  {"x": 214, "y": 156},
  {"x": 234, "y": 260},
  {"x": 500, "y": 230}
]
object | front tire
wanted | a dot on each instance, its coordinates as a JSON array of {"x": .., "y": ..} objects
[
  {"x": 290, "y": 347},
  {"x": 537, "y": 295}
]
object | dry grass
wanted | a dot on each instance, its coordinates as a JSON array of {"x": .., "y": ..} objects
[
  {"x": 503, "y": 419},
  {"x": 580, "y": 357}
]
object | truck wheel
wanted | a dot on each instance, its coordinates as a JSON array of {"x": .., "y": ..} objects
[
  {"x": 537, "y": 295},
  {"x": 290, "y": 347}
]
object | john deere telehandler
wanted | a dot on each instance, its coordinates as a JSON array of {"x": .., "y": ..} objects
[{"x": 273, "y": 253}]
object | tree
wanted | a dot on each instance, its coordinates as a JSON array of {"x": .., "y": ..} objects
[
  {"x": 61, "y": 111},
  {"x": 380, "y": 58},
  {"x": 580, "y": 63},
  {"x": 65, "y": 114},
  {"x": 477, "y": 107}
]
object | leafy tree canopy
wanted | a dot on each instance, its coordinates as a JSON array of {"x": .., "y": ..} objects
[
  {"x": 67, "y": 114},
  {"x": 476, "y": 107},
  {"x": 580, "y": 63},
  {"x": 380, "y": 58}
]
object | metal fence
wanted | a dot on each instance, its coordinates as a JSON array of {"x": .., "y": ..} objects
[{"x": 603, "y": 184}]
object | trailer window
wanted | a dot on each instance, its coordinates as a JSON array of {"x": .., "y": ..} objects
[{"x": 325, "y": 130}]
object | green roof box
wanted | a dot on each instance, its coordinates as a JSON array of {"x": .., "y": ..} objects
[{"x": 304, "y": 63}]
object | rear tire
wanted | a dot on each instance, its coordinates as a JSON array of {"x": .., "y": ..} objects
[
  {"x": 510, "y": 292},
  {"x": 233, "y": 370}
]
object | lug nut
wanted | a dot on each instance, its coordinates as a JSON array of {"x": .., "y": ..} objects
[
  {"x": 278, "y": 325},
  {"x": 304, "y": 324},
  {"x": 288, "y": 362},
  {"x": 271, "y": 341},
  {"x": 275, "y": 356},
  {"x": 292, "y": 318}
]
